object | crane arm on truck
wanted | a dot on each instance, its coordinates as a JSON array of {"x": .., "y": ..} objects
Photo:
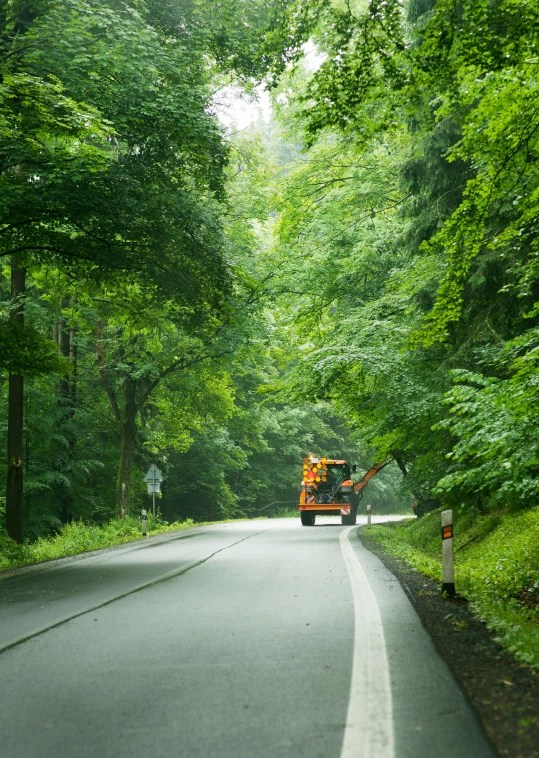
[
  {"x": 395, "y": 454},
  {"x": 358, "y": 486}
]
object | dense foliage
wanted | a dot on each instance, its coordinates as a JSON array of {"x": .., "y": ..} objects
[
  {"x": 358, "y": 277},
  {"x": 407, "y": 233},
  {"x": 140, "y": 325}
]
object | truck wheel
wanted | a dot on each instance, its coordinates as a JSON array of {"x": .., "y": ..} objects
[
  {"x": 351, "y": 519},
  {"x": 307, "y": 519}
]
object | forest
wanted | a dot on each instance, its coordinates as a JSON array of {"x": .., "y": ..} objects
[{"x": 357, "y": 275}]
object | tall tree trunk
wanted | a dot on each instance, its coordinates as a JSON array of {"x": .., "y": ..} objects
[
  {"x": 72, "y": 393},
  {"x": 14, "y": 488},
  {"x": 66, "y": 406},
  {"x": 128, "y": 428},
  {"x": 73, "y": 375},
  {"x": 126, "y": 419}
]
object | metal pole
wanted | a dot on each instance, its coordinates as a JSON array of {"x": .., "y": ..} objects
[
  {"x": 448, "y": 564},
  {"x": 368, "y": 515},
  {"x": 153, "y": 496}
]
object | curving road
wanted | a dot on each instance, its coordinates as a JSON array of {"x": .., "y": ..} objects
[{"x": 260, "y": 638}]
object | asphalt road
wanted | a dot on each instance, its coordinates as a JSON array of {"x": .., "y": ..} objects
[{"x": 261, "y": 638}]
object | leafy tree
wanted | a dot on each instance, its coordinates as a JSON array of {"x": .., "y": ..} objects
[
  {"x": 434, "y": 108},
  {"x": 111, "y": 161}
]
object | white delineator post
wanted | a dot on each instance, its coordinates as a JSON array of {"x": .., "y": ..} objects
[
  {"x": 144, "y": 523},
  {"x": 448, "y": 564},
  {"x": 368, "y": 515}
]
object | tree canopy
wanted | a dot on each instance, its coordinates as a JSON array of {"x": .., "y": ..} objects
[{"x": 358, "y": 275}]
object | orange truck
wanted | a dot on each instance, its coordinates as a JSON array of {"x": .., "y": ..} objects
[{"x": 328, "y": 490}]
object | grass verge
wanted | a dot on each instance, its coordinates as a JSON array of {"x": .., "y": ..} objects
[
  {"x": 289, "y": 512},
  {"x": 78, "y": 537},
  {"x": 496, "y": 568}
]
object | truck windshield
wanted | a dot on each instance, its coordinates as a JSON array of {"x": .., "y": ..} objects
[{"x": 336, "y": 473}]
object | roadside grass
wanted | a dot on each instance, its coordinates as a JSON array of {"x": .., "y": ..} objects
[
  {"x": 496, "y": 568},
  {"x": 290, "y": 512},
  {"x": 79, "y": 537}
]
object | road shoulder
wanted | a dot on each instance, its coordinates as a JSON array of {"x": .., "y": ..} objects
[
  {"x": 504, "y": 692},
  {"x": 136, "y": 544}
]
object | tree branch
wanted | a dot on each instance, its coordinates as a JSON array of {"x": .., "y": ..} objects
[
  {"x": 180, "y": 365},
  {"x": 69, "y": 254}
]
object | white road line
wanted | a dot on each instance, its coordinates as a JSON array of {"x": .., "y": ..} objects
[{"x": 369, "y": 721}]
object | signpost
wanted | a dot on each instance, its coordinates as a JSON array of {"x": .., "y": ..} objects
[{"x": 153, "y": 478}]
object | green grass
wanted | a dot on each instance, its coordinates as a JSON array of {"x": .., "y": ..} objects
[
  {"x": 78, "y": 537},
  {"x": 289, "y": 512},
  {"x": 496, "y": 568}
]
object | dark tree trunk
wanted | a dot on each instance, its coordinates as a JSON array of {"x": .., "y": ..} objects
[
  {"x": 66, "y": 404},
  {"x": 72, "y": 393},
  {"x": 14, "y": 488},
  {"x": 128, "y": 428}
]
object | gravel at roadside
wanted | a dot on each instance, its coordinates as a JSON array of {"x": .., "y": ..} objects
[{"x": 504, "y": 692}]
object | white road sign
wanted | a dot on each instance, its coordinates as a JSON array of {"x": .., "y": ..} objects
[{"x": 153, "y": 476}]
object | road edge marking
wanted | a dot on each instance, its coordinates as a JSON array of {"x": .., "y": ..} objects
[{"x": 369, "y": 719}]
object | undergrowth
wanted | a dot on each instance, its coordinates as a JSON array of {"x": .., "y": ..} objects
[
  {"x": 284, "y": 512},
  {"x": 79, "y": 537},
  {"x": 496, "y": 568}
]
